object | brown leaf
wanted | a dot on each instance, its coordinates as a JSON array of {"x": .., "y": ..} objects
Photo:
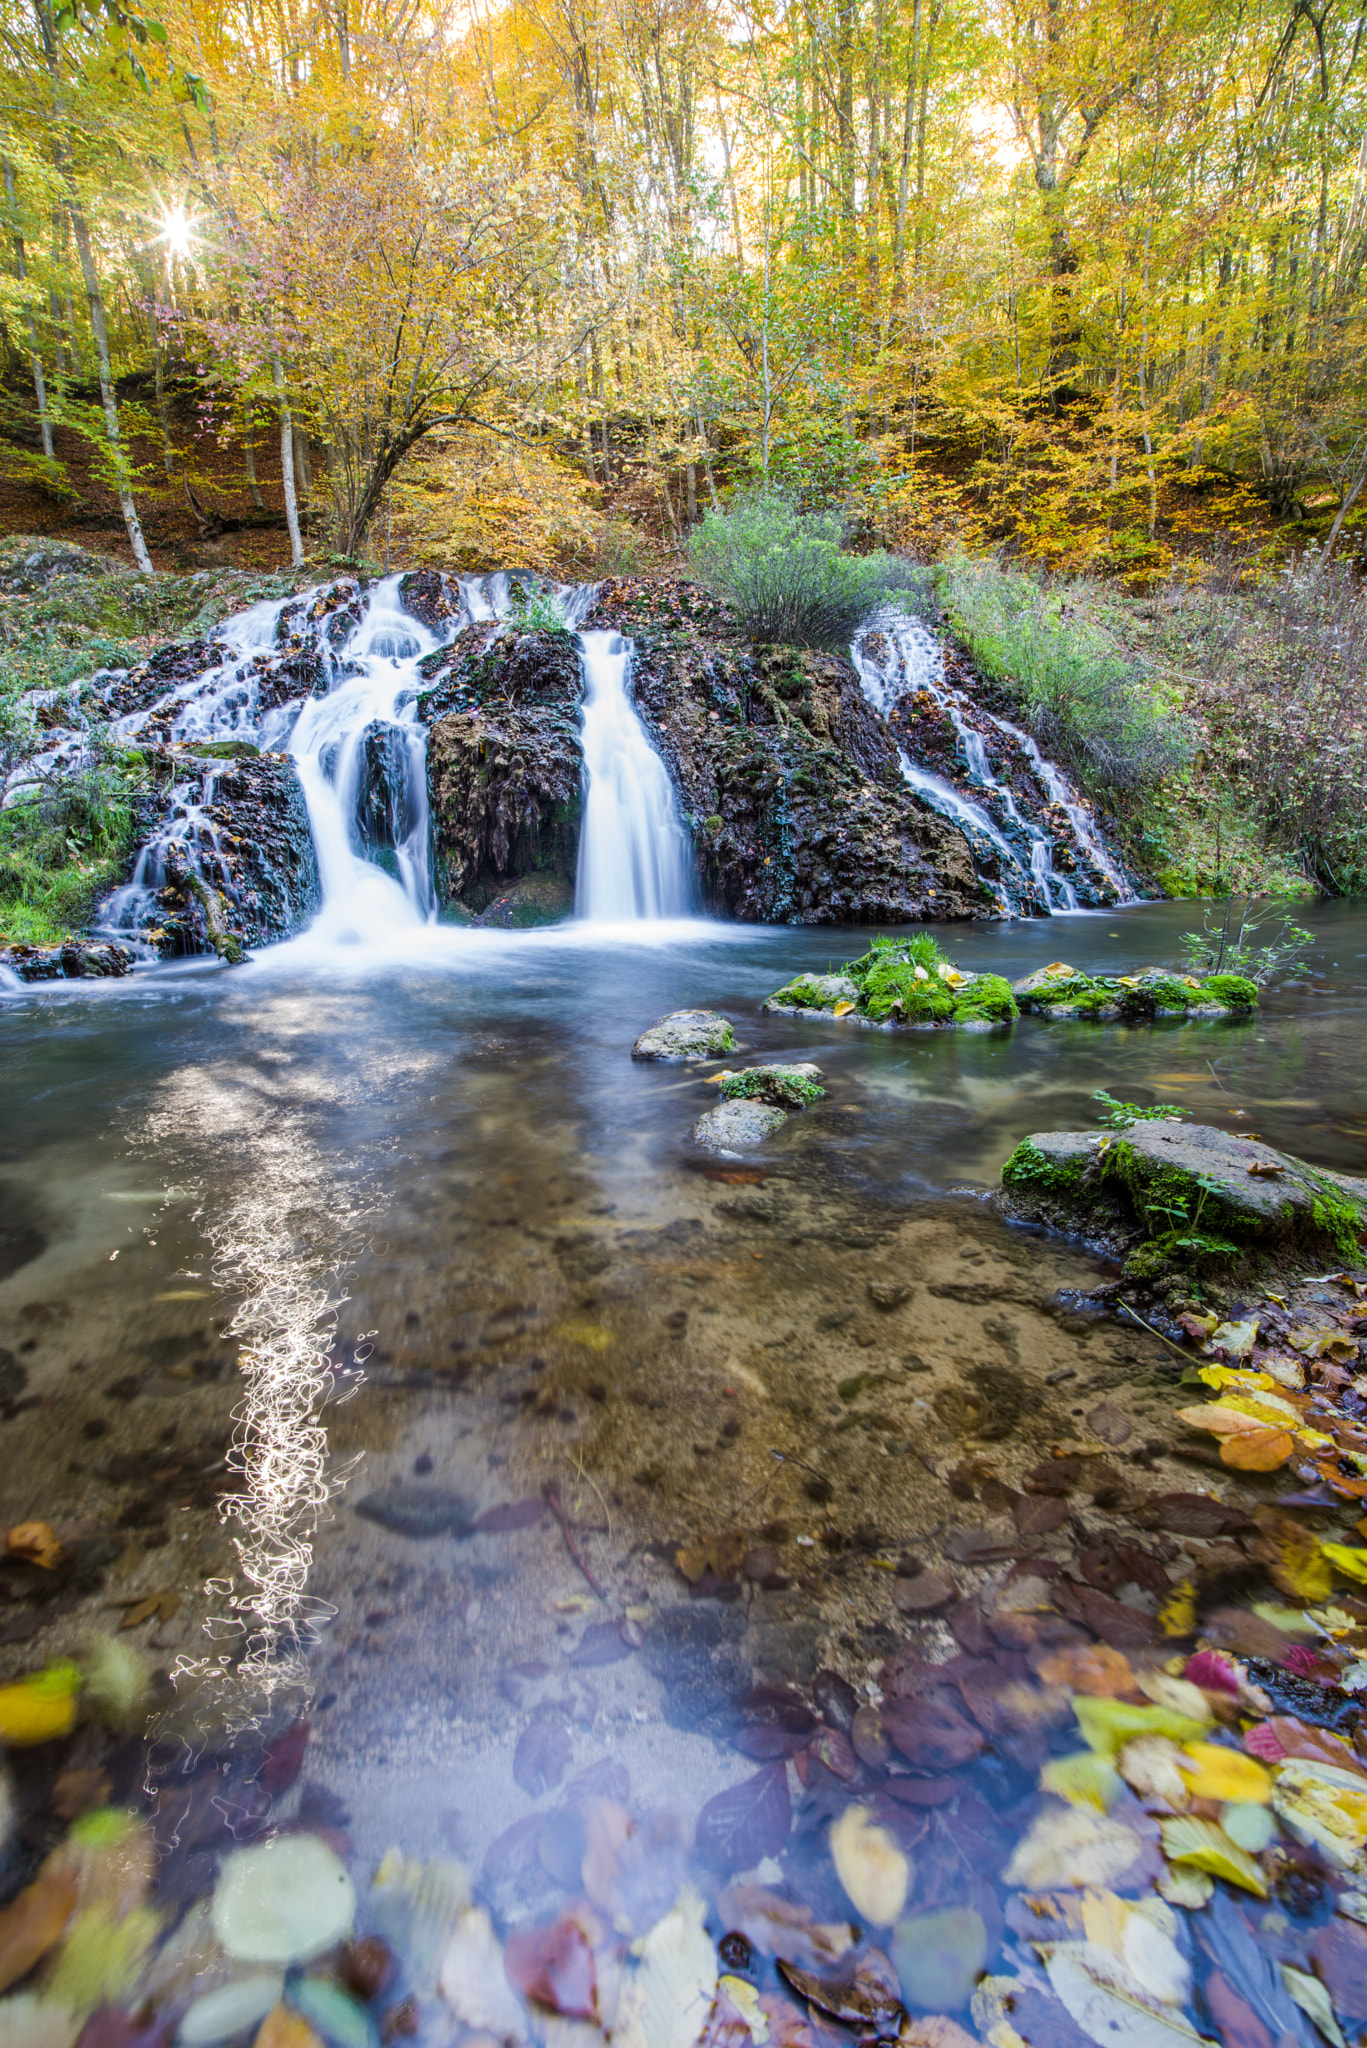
[
  {"x": 1057, "y": 1475},
  {"x": 33, "y": 1923},
  {"x": 931, "y": 1733},
  {"x": 831, "y": 1748},
  {"x": 1124, "y": 1628},
  {"x": 746, "y": 1822},
  {"x": 512, "y": 1514},
  {"x": 924, "y": 1594},
  {"x": 553, "y": 1966},
  {"x": 1108, "y": 1422},
  {"x": 868, "y": 1738},
  {"x": 1039, "y": 1514},
  {"x": 542, "y": 1756},
  {"x": 1195, "y": 1514},
  {"x": 721, "y": 1555},
  {"x": 859, "y": 2004}
]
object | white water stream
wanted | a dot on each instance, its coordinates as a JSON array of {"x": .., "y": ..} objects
[{"x": 635, "y": 860}]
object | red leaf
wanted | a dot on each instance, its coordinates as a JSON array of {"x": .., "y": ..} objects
[
  {"x": 511, "y": 1514},
  {"x": 554, "y": 1967},
  {"x": 542, "y": 1754},
  {"x": 748, "y": 1821},
  {"x": 284, "y": 1759}
]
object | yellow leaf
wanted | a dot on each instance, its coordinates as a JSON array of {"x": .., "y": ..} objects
[
  {"x": 1107, "y": 1725},
  {"x": 1352, "y": 1563},
  {"x": 1214, "y": 1772},
  {"x": 1207, "y": 1847},
  {"x": 1324, "y": 1807},
  {"x": 40, "y": 1708},
  {"x": 1060, "y": 970},
  {"x": 1084, "y": 1779},
  {"x": 1177, "y": 1615},
  {"x": 591, "y": 1335},
  {"x": 37, "y": 1542},
  {"x": 843, "y": 1009}
]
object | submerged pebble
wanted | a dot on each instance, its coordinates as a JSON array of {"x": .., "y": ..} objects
[
  {"x": 230, "y": 2010},
  {"x": 418, "y": 1512}
]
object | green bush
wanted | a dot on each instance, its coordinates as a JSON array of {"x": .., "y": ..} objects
[
  {"x": 786, "y": 573},
  {"x": 61, "y": 850},
  {"x": 1081, "y": 694}
]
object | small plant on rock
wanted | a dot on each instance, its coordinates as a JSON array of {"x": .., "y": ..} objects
[
  {"x": 1224, "y": 945},
  {"x": 1118, "y": 1116},
  {"x": 536, "y": 611}
]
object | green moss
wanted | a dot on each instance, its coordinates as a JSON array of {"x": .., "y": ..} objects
[
  {"x": 1339, "y": 1219},
  {"x": 1235, "y": 991},
  {"x": 782, "y": 1086},
  {"x": 894, "y": 987},
  {"x": 920, "y": 950},
  {"x": 1028, "y": 1167},
  {"x": 988, "y": 1000},
  {"x": 802, "y": 994}
]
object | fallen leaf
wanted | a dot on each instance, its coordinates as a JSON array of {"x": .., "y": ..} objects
[
  {"x": 842, "y": 1009},
  {"x": 165, "y": 1605},
  {"x": 1084, "y": 1779},
  {"x": 1236, "y": 1340},
  {"x": 1109, "y": 2003},
  {"x": 665, "y": 2001},
  {"x": 1151, "y": 1767},
  {"x": 1292, "y": 1556},
  {"x": 747, "y": 1822},
  {"x": 474, "y": 1982},
  {"x": 1107, "y": 1725},
  {"x": 1074, "y": 1848},
  {"x": 931, "y": 1734},
  {"x": 34, "y": 1922},
  {"x": 1313, "y": 2000},
  {"x": 1263, "y": 1169},
  {"x": 35, "y": 1541},
  {"x": 511, "y": 1514},
  {"x": 1340, "y": 1958},
  {"x": 1177, "y": 1615},
  {"x": 1093, "y": 1668},
  {"x": 939, "y": 1957},
  {"x": 1347, "y": 1559},
  {"x": 1258, "y": 1450},
  {"x": 1324, "y": 1807},
  {"x": 1214, "y": 1771},
  {"x": 925, "y": 1593},
  {"x": 870, "y": 1866},
  {"x": 553, "y": 1966},
  {"x": 542, "y": 1756},
  {"x": 1108, "y": 1422},
  {"x": 40, "y": 1708},
  {"x": 1039, "y": 1514},
  {"x": 1322, "y": 1343},
  {"x": 1207, "y": 1847}
]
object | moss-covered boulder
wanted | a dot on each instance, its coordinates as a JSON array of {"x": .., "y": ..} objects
[
  {"x": 1167, "y": 1196},
  {"x": 786, "y": 1087},
  {"x": 901, "y": 983},
  {"x": 737, "y": 1126},
  {"x": 1062, "y": 991}
]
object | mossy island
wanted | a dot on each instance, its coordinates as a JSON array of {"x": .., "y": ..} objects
[
  {"x": 1066, "y": 992},
  {"x": 911, "y": 984},
  {"x": 907, "y": 984}
]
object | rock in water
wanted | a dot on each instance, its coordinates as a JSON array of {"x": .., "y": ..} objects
[
  {"x": 686, "y": 1035},
  {"x": 786, "y": 1087},
  {"x": 77, "y": 960},
  {"x": 419, "y": 1512},
  {"x": 283, "y": 1901},
  {"x": 737, "y": 1126},
  {"x": 1267, "y": 1201}
]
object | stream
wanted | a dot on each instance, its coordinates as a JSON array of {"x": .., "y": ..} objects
[{"x": 376, "y": 1342}]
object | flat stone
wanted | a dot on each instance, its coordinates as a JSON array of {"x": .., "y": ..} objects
[
  {"x": 418, "y": 1512},
  {"x": 737, "y": 1126},
  {"x": 686, "y": 1035},
  {"x": 822, "y": 992}
]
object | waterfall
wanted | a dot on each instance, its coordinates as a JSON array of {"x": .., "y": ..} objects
[
  {"x": 895, "y": 656},
  {"x": 634, "y": 856},
  {"x": 332, "y": 677}
]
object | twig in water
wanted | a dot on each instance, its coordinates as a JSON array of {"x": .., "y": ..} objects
[
  {"x": 588, "y": 1479},
  {"x": 550, "y": 1493},
  {"x": 1185, "y": 1356}
]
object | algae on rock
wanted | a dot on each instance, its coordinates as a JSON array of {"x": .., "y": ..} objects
[
  {"x": 1064, "y": 992},
  {"x": 901, "y": 982}
]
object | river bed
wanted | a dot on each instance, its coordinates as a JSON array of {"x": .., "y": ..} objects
[{"x": 311, "y": 1263}]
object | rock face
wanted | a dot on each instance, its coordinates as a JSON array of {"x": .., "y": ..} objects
[
  {"x": 1062, "y": 991},
  {"x": 232, "y": 852},
  {"x": 686, "y": 1035},
  {"x": 787, "y": 774},
  {"x": 1166, "y": 1194},
  {"x": 77, "y": 960},
  {"x": 504, "y": 771},
  {"x": 737, "y": 1126}
]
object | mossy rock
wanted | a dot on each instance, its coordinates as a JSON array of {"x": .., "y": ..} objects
[
  {"x": 1169, "y": 1196},
  {"x": 1065, "y": 992},
  {"x": 902, "y": 984},
  {"x": 786, "y": 1087},
  {"x": 686, "y": 1035}
]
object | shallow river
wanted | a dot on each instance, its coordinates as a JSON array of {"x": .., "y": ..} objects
[{"x": 415, "y": 1235}]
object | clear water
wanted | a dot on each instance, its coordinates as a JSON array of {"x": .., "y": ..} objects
[{"x": 635, "y": 858}]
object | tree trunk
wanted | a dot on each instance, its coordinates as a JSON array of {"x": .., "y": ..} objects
[
  {"x": 287, "y": 463},
  {"x": 94, "y": 299},
  {"x": 249, "y": 455},
  {"x": 21, "y": 272}
]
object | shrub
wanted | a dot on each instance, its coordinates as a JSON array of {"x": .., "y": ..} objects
[
  {"x": 1081, "y": 694},
  {"x": 1224, "y": 950},
  {"x": 536, "y": 611},
  {"x": 786, "y": 574}
]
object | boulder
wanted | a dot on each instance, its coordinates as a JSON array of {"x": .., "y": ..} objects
[
  {"x": 811, "y": 994},
  {"x": 686, "y": 1035},
  {"x": 737, "y": 1126},
  {"x": 76, "y": 960},
  {"x": 786, "y": 1087},
  {"x": 1064, "y": 992},
  {"x": 1167, "y": 1194}
]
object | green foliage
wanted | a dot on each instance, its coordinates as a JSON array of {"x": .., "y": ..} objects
[
  {"x": 1029, "y": 1167},
  {"x": 1118, "y": 1116},
  {"x": 893, "y": 986},
  {"x": 1224, "y": 945},
  {"x": 1080, "y": 692},
  {"x": 61, "y": 850},
  {"x": 786, "y": 574},
  {"x": 536, "y": 611}
]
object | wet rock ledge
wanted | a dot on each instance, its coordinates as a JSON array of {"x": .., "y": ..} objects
[{"x": 1171, "y": 1198}]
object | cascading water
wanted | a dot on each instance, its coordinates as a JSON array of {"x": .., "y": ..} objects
[
  {"x": 333, "y": 678},
  {"x": 634, "y": 855},
  {"x": 896, "y": 656}
]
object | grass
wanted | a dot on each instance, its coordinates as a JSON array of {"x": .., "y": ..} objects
[
  {"x": 786, "y": 574},
  {"x": 61, "y": 851}
]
